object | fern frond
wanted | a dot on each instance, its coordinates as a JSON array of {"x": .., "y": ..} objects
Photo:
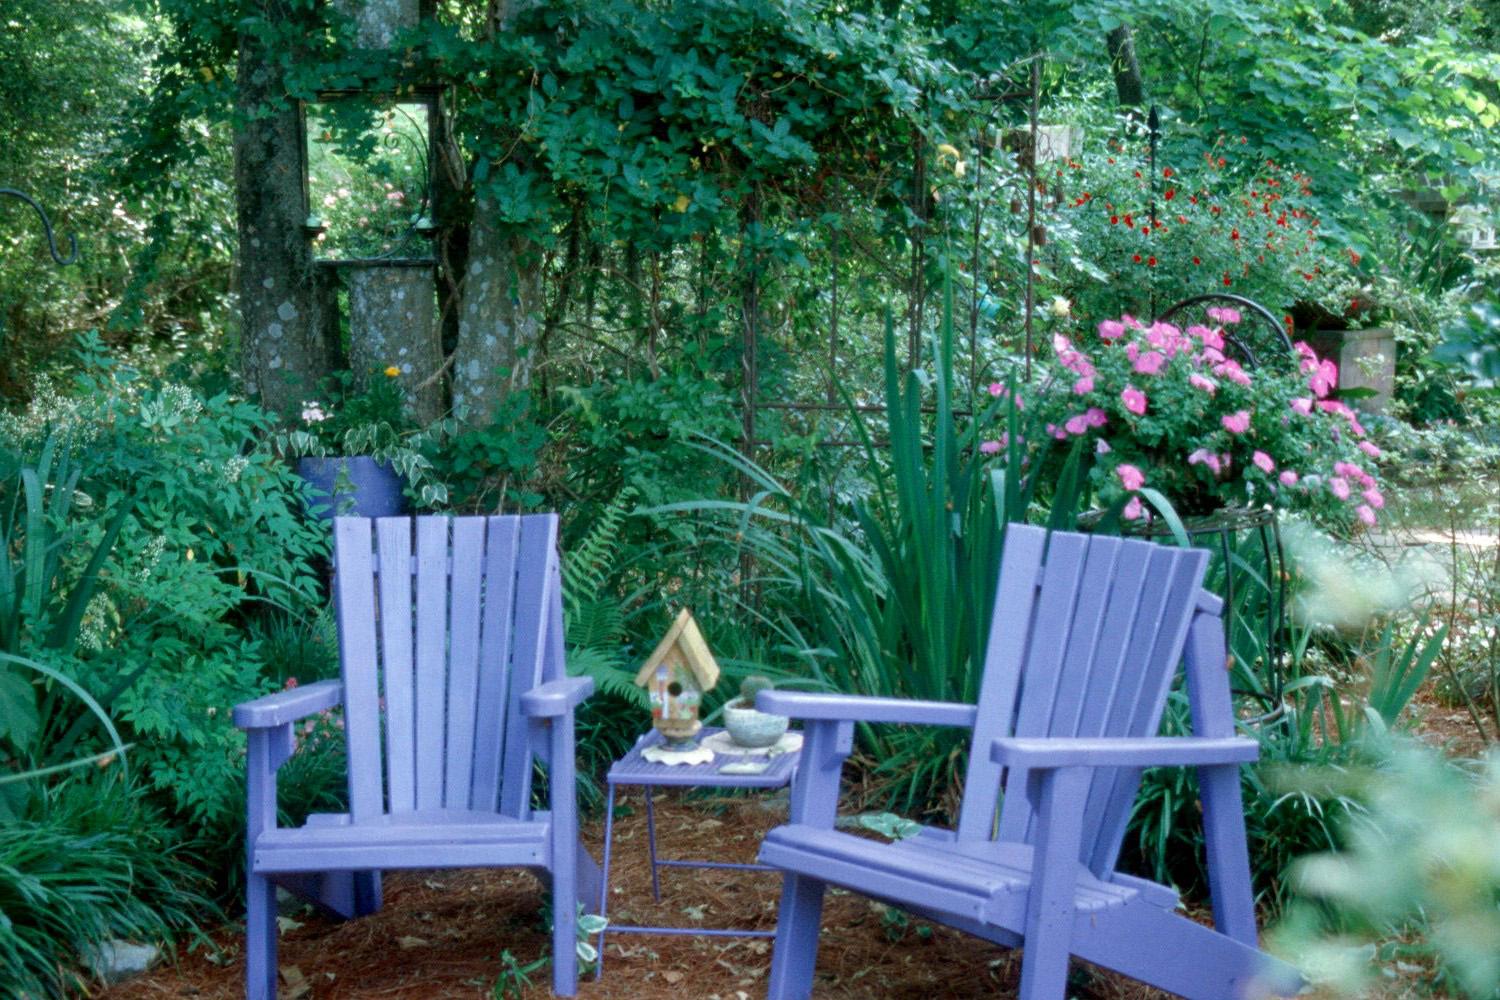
[
  {"x": 610, "y": 676},
  {"x": 587, "y": 565}
]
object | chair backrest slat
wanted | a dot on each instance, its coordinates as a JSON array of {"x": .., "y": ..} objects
[
  {"x": 501, "y": 545},
  {"x": 1114, "y": 791},
  {"x": 397, "y": 640},
  {"x": 463, "y": 658},
  {"x": 359, "y": 653},
  {"x": 432, "y": 665},
  {"x": 1005, "y": 655},
  {"x": 1089, "y": 630},
  {"x": 468, "y": 618},
  {"x": 536, "y": 573}
]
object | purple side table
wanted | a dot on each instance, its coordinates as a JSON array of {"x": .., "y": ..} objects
[{"x": 632, "y": 769}]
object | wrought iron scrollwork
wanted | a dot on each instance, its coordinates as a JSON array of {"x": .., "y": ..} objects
[{"x": 72, "y": 256}]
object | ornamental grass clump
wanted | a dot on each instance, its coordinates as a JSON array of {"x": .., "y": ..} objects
[{"x": 1173, "y": 410}]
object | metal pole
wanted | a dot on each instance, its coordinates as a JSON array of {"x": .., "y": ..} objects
[
  {"x": 1033, "y": 113},
  {"x": 1153, "y": 126}
]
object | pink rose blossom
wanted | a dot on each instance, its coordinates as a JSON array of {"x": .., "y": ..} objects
[
  {"x": 1162, "y": 335},
  {"x": 1101, "y": 447},
  {"x": 1134, "y": 400},
  {"x": 1083, "y": 386},
  {"x": 1223, "y": 315},
  {"x": 1231, "y": 370},
  {"x": 1302, "y": 405},
  {"x": 1150, "y": 363},
  {"x": 1095, "y": 416},
  {"x": 1131, "y": 477},
  {"x": 1374, "y": 498},
  {"x": 1366, "y": 515},
  {"x": 1205, "y": 457},
  {"x": 1339, "y": 486},
  {"x": 997, "y": 389},
  {"x": 1263, "y": 462},
  {"x": 1132, "y": 322},
  {"x": 1208, "y": 385},
  {"x": 1324, "y": 379},
  {"x": 1237, "y": 422},
  {"x": 1110, "y": 329},
  {"x": 1210, "y": 338},
  {"x": 1288, "y": 477},
  {"x": 1133, "y": 509},
  {"x": 1305, "y": 353},
  {"x": 1076, "y": 424},
  {"x": 989, "y": 447}
]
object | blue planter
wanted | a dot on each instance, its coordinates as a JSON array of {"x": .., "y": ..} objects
[{"x": 373, "y": 488}]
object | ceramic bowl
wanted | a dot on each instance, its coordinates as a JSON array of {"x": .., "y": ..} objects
[{"x": 750, "y": 727}]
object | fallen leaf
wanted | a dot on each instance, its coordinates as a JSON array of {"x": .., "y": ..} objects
[
  {"x": 672, "y": 976},
  {"x": 294, "y": 983},
  {"x": 411, "y": 942}
]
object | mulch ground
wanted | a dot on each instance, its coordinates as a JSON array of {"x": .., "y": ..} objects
[{"x": 441, "y": 934}]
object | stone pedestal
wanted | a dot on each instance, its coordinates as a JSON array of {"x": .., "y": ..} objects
[
  {"x": 393, "y": 322},
  {"x": 1366, "y": 360},
  {"x": 1053, "y": 142}
]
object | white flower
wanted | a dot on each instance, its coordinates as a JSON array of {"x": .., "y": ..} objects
[
  {"x": 1060, "y": 307},
  {"x": 312, "y": 412}
]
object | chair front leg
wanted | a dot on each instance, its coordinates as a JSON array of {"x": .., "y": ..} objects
[
  {"x": 268, "y": 749},
  {"x": 814, "y": 802},
  {"x": 815, "y": 790},
  {"x": 1054, "y": 879},
  {"x": 561, "y": 784},
  {"x": 1228, "y": 853}
]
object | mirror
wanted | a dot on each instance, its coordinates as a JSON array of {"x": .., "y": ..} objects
[{"x": 368, "y": 177}]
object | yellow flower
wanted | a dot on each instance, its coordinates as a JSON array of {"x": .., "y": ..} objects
[
  {"x": 392, "y": 372},
  {"x": 948, "y": 149}
]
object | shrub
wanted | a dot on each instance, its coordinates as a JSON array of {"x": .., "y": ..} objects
[
  {"x": 1421, "y": 857},
  {"x": 1235, "y": 221},
  {"x": 89, "y": 864},
  {"x": 211, "y": 535},
  {"x": 1174, "y": 411}
]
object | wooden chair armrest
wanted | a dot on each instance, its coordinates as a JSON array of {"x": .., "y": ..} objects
[
  {"x": 1152, "y": 751},
  {"x": 288, "y": 706},
  {"x": 856, "y": 708},
  {"x": 554, "y": 698}
]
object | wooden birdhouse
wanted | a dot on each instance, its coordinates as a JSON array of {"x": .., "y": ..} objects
[{"x": 676, "y": 676}]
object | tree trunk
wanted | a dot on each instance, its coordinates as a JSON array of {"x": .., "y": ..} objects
[
  {"x": 283, "y": 351},
  {"x": 392, "y": 324},
  {"x": 501, "y": 319},
  {"x": 1127, "y": 71},
  {"x": 378, "y": 22}
]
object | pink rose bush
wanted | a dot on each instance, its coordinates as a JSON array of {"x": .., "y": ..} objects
[{"x": 1154, "y": 406}]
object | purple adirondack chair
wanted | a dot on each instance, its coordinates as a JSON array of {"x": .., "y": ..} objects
[
  {"x": 450, "y": 637},
  {"x": 1087, "y": 635}
]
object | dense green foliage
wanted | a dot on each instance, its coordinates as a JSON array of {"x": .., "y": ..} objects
[{"x": 720, "y": 202}]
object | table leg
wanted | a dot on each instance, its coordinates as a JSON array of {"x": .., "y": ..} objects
[
  {"x": 651, "y": 845},
  {"x": 609, "y": 829}
]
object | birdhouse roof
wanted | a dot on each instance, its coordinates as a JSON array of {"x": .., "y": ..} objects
[{"x": 688, "y": 641}]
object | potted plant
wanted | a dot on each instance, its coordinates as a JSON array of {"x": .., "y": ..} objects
[
  {"x": 359, "y": 451},
  {"x": 747, "y": 725}
]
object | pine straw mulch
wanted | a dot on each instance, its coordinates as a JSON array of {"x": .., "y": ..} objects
[{"x": 440, "y": 934}]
